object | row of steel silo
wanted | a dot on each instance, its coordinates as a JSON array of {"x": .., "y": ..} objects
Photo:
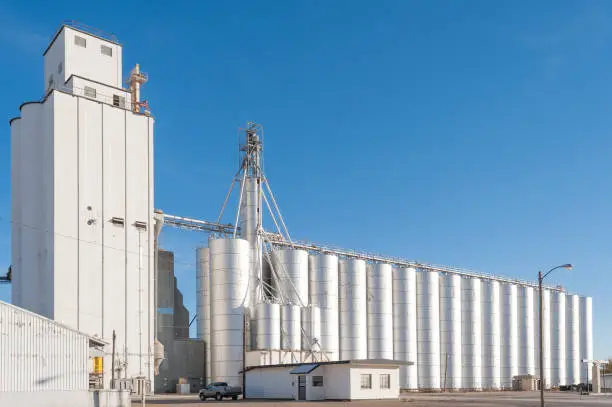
[{"x": 461, "y": 332}]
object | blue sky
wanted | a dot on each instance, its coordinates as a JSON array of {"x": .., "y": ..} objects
[{"x": 474, "y": 134}]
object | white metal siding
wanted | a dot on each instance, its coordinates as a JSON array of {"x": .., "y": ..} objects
[
  {"x": 375, "y": 393},
  {"x": 269, "y": 383},
  {"x": 450, "y": 332},
  {"x": 37, "y": 354}
]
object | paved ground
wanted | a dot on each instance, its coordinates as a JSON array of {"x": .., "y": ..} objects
[{"x": 505, "y": 399}]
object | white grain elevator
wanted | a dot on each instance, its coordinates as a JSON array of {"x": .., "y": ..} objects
[{"x": 82, "y": 200}]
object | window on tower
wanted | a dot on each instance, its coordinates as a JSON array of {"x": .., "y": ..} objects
[
  {"x": 108, "y": 51},
  {"x": 90, "y": 92},
  {"x": 80, "y": 41}
]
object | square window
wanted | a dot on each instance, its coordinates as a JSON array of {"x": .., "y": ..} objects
[
  {"x": 80, "y": 41},
  {"x": 385, "y": 381},
  {"x": 366, "y": 381},
  {"x": 90, "y": 92},
  {"x": 118, "y": 101},
  {"x": 317, "y": 381},
  {"x": 108, "y": 51}
]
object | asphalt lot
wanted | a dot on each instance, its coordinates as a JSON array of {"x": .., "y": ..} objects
[{"x": 499, "y": 399}]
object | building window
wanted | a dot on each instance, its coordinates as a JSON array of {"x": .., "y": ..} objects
[
  {"x": 317, "y": 381},
  {"x": 385, "y": 381},
  {"x": 118, "y": 101},
  {"x": 59, "y": 67},
  {"x": 80, "y": 41},
  {"x": 108, "y": 51},
  {"x": 366, "y": 381},
  {"x": 90, "y": 92}
]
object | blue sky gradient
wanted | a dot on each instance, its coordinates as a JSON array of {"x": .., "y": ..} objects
[{"x": 474, "y": 134}]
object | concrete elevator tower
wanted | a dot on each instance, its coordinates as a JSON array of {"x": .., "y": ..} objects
[{"x": 82, "y": 200}]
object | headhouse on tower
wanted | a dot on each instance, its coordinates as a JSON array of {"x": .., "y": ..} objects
[{"x": 82, "y": 198}]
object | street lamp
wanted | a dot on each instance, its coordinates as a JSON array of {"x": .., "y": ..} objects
[{"x": 540, "y": 279}]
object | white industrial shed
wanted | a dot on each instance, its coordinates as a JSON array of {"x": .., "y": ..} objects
[
  {"x": 338, "y": 380},
  {"x": 44, "y": 363}
]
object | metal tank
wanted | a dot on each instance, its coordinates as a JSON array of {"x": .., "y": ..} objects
[
  {"x": 572, "y": 315},
  {"x": 546, "y": 335},
  {"x": 291, "y": 330},
  {"x": 323, "y": 285},
  {"x": 203, "y": 301},
  {"x": 526, "y": 331},
  {"x": 311, "y": 328},
  {"x": 405, "y": 325},
  {"x": 291, "y": 276},
  {"x": 450, "y": 332},
  {"x": 268, "y": 321},
  {"x": 428, "y": 330},
  {"x": 229, "y": 284},
  {"x": 250, "y": 219},
  {"x": 380, "y": 311},
  {"x": 353, "y": 309},
  {"x": 558, "y": 349},
  {"x": 509, "y": 336},
  {"x": 586, "y": 336},
  {"x": 471, "y": 333},
  {"x": 491, "y": 335}
]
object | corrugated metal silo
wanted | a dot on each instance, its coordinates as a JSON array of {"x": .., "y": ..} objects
[
  {"x": 311, "y": 327},
  {"x": 323, "y": 285},
  {"x": 229, "y": 283},
  {"x": 558, "y": 349},
  {"x": 546, "y": 342},
  {"x": 586, "y": 336},
  {"x": 291, "y": 330},
  {"x": 526, "y": 331},
  {"x": 405, "y": 325},
  {"x": 428, "y": 330},
  {"x": 450, "y": 332},
  {"x": 353, "y": 309},
  {"x": 509, "y": 337},
  {"x": 491, "y": 336},
  {"x": 203, "y": 301},
  {"x": 380, "y": 311},
  {"x": 291, "y": 281},
  {"x": 572, "y": 315},
  {"x": 471, "y": 333},
  {"x": 267, "y": 319}
]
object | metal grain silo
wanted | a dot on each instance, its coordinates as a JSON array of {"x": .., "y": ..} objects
[
  {"x": 229, "y": 283},
  {"x": 558, "y": 348},
  {"x": 380, "y": 311},
  {"x": 471, "y": 333},
  {"x": 203, "y": 301},
  {"x": 311, "y": 328},
  {"x": 491, "y": 336},
  {"x": 291, "y": 279},
  {"x": 572, "y": 315},
  {"x": 526, "y": 331},
  {"x": 405, "y": 325},
  {"x": 545, "y": 337},
  {"x": 428, "y": 330},
  {"x": 450, "y": 332},
  {"x": 509, "y": 337},
  {"x": 291, "y": 328},
  {"x": 323, "y": 286},
  {"x": 267, "y": 320},
  {"x": 353, "y": 309},
  {"x": 586, "y": 336}
]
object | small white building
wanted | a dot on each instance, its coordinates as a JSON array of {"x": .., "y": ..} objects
[{"x": 338, "y": 380}]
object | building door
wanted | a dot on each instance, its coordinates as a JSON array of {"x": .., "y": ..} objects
[{"x": 301, "y": 387}]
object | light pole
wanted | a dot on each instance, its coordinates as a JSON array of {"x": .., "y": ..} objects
[{"x": 540, "y": 279}]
